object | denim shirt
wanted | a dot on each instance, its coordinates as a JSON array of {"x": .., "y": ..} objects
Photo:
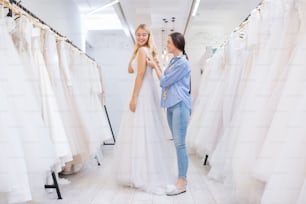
[{"x": 175, "y": 83}]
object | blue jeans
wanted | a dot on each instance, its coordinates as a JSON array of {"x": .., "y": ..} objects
[{"x": 178, "y": 117}]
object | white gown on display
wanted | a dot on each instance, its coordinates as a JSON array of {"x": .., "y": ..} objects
[
  {"x": 49, "y": 107},
  {"x": 78, "y": 142},
  {"x": 248, "y": 129},
  {"x": 287, "y": 132},
  {"x": 85, "y": 92},
  {"x": 237, "y": 64},
  {"x": 220, "y": 159},
  {"x": 256, "y": 118},
  {"x": 273, "y": 86},
  {"x": 95, "y": 109},
  {"x": 210, "y": 91},
  {"x": 13, "y": 171},
  {"x": 77, "y": 132},
  {"x": 38, "y": 147},
  {"x": 143, "y": 156}
]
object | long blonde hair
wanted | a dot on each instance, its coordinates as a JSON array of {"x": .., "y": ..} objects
[{"x": 150, "y": 43}]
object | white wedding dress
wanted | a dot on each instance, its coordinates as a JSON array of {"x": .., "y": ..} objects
[
  {"x": 286, "y": 137},
  {"x": 14, "y": 181},
  {"x": 143, "y": 156}
]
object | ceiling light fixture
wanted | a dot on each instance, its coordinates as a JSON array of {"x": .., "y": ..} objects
[
  {"x": 195, "y": 7},
  {"x": 102, "y": 7},
  {"x": 173, "y": 25}
]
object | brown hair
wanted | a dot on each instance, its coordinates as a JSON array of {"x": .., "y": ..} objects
[{"x": 179, "y": 42}]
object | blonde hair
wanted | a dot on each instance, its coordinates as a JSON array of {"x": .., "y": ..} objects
[{"x": 150, "y": 43}]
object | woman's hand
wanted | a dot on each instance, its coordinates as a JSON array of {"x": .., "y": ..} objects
[
  {"x": 132, "y": 105},
  {"x": 151, "y": 63},
  {"x": 130, "y": 70}
]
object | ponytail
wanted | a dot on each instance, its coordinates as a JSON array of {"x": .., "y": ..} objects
[{"x": 184, "y": 53}]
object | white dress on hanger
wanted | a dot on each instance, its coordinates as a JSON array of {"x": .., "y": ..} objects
[
  {"x": 247, "y": 133},
  {"x": 205, "y": 106},
  {"x": 260, "y": 103},
  {"x": 14, "y": 175},
  {"x": 143, "y": 156},
  {"x": 287, "y": 169},
  {"x": 237, "y": 58},
  {"x": 38, "y": 147},
  {"x": 273, "y": 86},
  {"x": 84, "y": 88},
  {"x": 78, "y": 142},
  {"x": 49, "y": 107},
  {"x": 96, "y": 111},
  {"x": 77, "y": 132}
]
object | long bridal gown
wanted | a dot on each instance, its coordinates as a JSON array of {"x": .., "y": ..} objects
[
  {"x": 49, "y": 105},
  {"x": 143, "y": 156},
  {"x": 14, "y": 181},
  {"x": 286, "y": 136},
  {"x": 38, "y": 146}
]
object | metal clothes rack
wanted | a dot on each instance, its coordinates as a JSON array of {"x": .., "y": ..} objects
[
  {"x": 68, "y": 41},
  {"x": 206, "y": 162},
  {"x": 10, "y": 4},
  {"x": 110, "y": 126},
  {"x": 54, "y": 185},
  {"x": 44, "y": 23}
]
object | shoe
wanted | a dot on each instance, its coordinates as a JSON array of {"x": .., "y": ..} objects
[{"x": 175, "y": 192}]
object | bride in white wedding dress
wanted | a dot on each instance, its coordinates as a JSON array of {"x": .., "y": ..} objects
[{"x": 143, "y": 155}]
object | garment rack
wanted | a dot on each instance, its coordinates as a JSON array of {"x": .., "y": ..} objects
[
  {"x": 44, "y": 23},
  {"x": 18, "y": 4},
  {"x": 10, "y": 5},
  {"x": 70, "y": 42},
  {"x": 110, "y": 126},
  {"x": 54, "y": 185}
]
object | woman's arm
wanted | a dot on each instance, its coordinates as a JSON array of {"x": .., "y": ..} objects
[
  {"x": 178, "y": 72},
  {"x": 157, "y": 69},
  {"x": 141, "y": 69}
]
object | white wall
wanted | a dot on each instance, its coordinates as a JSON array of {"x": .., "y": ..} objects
[
  {"x": 62, "y": 15},
  {"x": 112, "y": 50}
]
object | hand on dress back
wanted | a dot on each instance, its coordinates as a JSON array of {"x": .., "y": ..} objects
[{"x": 151, "y": 63}]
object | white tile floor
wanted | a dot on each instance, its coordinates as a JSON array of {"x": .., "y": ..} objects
[{"x": 87, "y": 187}]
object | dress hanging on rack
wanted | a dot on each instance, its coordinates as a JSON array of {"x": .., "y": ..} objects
[
  {"x": 286, "y": 135},
  {"x": 49, "y": 106},
  {"x": 14, "y": 176},
  {"x": 38, "y": 146},
  {"x": 78, "y": 142}
]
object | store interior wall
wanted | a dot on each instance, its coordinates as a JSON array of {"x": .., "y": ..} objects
[
  {"x": 112, "y": 50},
  {"x": 61, "y": 15}
]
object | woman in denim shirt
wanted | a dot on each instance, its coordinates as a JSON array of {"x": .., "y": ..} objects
[{"x": 175, "y": 84}]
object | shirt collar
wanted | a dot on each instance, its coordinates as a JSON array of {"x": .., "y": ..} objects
[{"x": 178, "y": 57}]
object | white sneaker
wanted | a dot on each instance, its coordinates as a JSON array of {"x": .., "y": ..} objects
[{"x": 175, "y": 192}]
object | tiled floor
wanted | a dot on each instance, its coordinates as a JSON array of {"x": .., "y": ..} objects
[{"x": 88, "y": 187}]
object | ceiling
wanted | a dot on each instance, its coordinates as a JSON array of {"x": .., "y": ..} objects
[{"x": 213, "y": 23}]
